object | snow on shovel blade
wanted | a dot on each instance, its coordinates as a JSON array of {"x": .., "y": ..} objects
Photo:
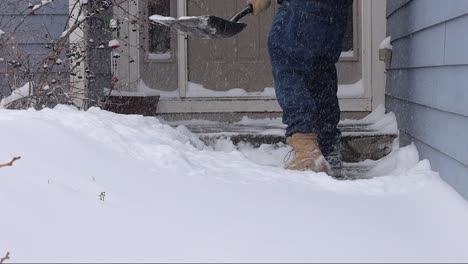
[{"x": 206, "y": 27}]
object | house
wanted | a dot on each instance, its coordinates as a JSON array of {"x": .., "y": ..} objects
[
  {"x": 427, "y": 82},
  {"x": 26, "y": 38},
  {"x": 200, "y": 76},
  {"x": 207, "y": 77},
  {"x": 424, "y": 84}
]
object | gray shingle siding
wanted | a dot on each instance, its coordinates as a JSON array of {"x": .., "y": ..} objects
[
  {"x": 427, "y": 84},
  {"x": 46, "y": 24}
]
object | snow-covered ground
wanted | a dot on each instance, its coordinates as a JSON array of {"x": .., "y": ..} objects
[
  {"x": 355, "y": 90},
  {"x": 17, "y": 94},
  {"x": 95, "y": 186}
]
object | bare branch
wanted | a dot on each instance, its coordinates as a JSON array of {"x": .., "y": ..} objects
[
  {"x": 61, "y": 57},
  {"x": 7, "y": 257},
  {"x": 9, "y": 164},
  {"x": 43, "y": 3}
]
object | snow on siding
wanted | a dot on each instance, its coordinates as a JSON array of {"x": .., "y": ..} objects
[
  {"x": 17, "y": 94},
  {"x": 430, "y": 102},
  {"x": 355, "y": 90},
  {"x": 47, "y": 22},
  {"x": 43, "y": 3},
  {"x": 129, "y": 188},
  {"x": 386, "y": 43}
]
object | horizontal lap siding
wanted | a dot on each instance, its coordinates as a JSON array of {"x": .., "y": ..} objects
[
  {"x": 45, "y": 24},
  {"x": 38, "y": 29},
  {"x": 427, "y": 84}
]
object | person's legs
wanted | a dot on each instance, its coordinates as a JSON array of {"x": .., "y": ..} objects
[
  {"x": 300, "y": 50},
  {"x": 303, "y": 46},
  {"x": 324, "y": 88},
  {"x": 291, "y": 71}
]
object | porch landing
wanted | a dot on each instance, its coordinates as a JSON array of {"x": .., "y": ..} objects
[{"x": 371, "y": 138}]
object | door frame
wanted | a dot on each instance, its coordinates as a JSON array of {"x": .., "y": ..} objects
[{"x": 373, "y": 26}]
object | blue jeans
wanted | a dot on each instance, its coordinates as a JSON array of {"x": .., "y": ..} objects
[{"x": 305, "y": 43}]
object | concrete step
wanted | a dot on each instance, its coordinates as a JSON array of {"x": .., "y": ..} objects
[
  {"x": 371, "y": 138},
  {"x": 355, "y": 148}
]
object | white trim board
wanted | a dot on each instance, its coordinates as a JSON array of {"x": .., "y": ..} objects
[
  {"x": 182, "y": 52},
  {"x": 79, "y": 85},
  {"x": 353, "y": 104},
  {"x": 243, "y": 105},
  {"x": 366, "y": 46},
  {"x": 379, "y": 32}
]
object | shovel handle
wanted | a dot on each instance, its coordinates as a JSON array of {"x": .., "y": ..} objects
[{"x": 242, "y": 13}]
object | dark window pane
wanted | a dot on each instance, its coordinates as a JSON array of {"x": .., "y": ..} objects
[
  {"x": 348, "y": 40},
  {"x": 159, "y": 36}
]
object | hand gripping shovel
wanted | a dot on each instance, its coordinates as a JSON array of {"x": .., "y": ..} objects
[{"x": 206, "y": 27}]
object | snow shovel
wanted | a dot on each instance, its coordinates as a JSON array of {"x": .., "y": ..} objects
[{"x": 206, "y": 27}]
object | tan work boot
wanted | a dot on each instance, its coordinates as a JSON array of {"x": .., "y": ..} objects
[{"x": 307, "y": 154}]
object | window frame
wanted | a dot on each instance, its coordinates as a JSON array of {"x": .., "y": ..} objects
[
  {"x": 356, "y": 34},
  {"x": 150, "y": 57}
]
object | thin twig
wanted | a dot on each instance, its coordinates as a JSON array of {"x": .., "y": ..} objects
[
  {"x": 7, "y": 257},
  {"x": 10, "y": 163}
]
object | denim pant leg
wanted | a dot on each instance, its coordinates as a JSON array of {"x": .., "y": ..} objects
[
  {"x": 304, "y": 45},
  {"x": 291, "y": 72},
  {"x": 324, "y": 87}
]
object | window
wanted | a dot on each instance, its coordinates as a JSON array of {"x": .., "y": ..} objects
[
  {"x": 348, "y": 50},
  {"x": 159, "y": 43},
  {"x": 348, "y": 41}
]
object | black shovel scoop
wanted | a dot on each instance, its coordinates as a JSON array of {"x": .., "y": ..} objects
[{"x": 206, "y": 27}]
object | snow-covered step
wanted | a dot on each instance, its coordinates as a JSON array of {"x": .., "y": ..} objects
[
  {"x": 371, "y": 138},
  {"x": 95, "y": 186},
  {"x": 355, "y": 148}
]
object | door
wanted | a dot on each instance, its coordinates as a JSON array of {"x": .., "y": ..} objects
[
  {"x": 240, "y": 66},
  {"x": 158, "y": 51},
  {"x": 125, "y": 58},
  {"x": 216, "y": 67}
]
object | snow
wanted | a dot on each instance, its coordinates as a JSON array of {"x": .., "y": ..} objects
[
  {"x": 96, "y": 186},
  {"x": 198, "y": 90},
  {"x": 114, "y": 23},
  {"x": 202, "y": 21},
  {"x": 17, "y": 94},
  {"x": 43, "y": 3},
  {"x": 81, "y": 18},
  {"x": 1, "y": 32},
  {"x": 160, "y": 56},
  {"x": 157, "y": 18},
  {"x": 386, "y": 43},
  {"x": 355, "y": 90},
  {"x": 188, "y": 17},
  {"x": 378, "y": 121},
  {"x": 347, "y": 54},
  {"x": 262, "y": 122},
  {"x": 193, "y": 90},
  {"x": 114, "y": 43},
  {"x": 64, "y": 33},
  {"x": 143, "y": 90}
]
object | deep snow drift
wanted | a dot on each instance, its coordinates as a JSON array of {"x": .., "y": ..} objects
[{"x": 96, "y": 186}]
